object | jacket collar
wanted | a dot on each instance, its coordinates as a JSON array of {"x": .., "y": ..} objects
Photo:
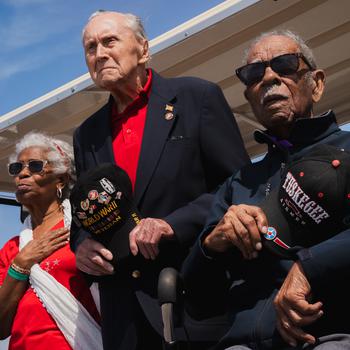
[
  {"x": 156, "y": 131},
  {"x": 306, "y": 131},
  {"x": 161, "y": 87}
]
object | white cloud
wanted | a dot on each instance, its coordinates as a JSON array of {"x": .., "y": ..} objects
[
  {"x": 21, "y": 3},
  {"x": 34, "y": 60},
  {"x": 31, "y": 38},
  {"x": 22, "y": 32},
  {"x": 26, "y": 28},
  {"x": 10, "y": 69}
]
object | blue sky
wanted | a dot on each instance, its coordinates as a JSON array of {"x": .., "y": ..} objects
[
  {"x": 41, "y": 50},
  {"x": 40, "y": 40}
]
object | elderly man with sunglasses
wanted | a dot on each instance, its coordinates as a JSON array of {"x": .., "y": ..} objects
[{"x": 273, "y": 304}]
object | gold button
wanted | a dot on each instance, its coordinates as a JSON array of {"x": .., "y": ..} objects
[{"x": 136, "y": 274}]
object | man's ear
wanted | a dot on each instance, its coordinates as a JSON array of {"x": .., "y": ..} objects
[
  {"x": 144, "y": 58},
  {"x": 318, "y": 84},
  {"x": 246, "y": 94}
]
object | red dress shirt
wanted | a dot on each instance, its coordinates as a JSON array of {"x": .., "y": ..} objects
[{"x": 127, "y": 131}]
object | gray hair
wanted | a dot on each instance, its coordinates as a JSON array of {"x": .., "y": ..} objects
[
  {"x": 132, "y": 21},
  {"x": 59, "y": 153},
  {"x": 304, "y": 49}
]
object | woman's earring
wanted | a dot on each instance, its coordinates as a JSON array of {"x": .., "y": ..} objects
[{"x": 59, "y": 192}]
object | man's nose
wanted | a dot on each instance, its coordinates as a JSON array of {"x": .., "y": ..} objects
[
  {"x": 270, "y": 76},
  {"x": 101, "y": 51}
]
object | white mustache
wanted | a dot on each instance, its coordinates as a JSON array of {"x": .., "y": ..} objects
[{"x": 271, "y": 90}]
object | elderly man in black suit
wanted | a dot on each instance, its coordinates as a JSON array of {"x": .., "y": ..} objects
[{"x": 177, "y": 140}]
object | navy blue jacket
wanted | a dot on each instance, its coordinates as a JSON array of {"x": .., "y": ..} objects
[
  {"x": 182, "y": 162},
  {"x": 247, "y": 288}
]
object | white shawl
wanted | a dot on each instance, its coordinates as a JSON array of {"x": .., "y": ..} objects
[{"x": 78, "y": 327}]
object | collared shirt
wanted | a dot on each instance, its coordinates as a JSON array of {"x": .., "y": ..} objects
[
  {"x": 282, "y": 142},
  {"x": 127, "y": 131}
]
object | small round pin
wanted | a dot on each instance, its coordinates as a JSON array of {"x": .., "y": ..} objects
[{"x": 168, "y": 116}]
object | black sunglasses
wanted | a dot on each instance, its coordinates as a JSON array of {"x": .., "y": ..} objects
[
  {"x": 34, "y": 166},
  {"x": 286, "y": 64}
]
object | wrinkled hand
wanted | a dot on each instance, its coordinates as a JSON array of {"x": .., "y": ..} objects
[
  {"x": 146, "y": 235},
  {"x": 40, "y": 248},
  {"x": 240, "y": 227},
  {"x": 93, "y": 258},
  {"x": 294, "y": 308}
]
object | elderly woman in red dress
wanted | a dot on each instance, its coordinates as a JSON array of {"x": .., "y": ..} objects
[{"x": 45, "y": 302}]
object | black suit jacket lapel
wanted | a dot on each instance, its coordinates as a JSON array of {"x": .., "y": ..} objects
[
  {"x": 155, "y": 133},
  {"x": 101, "y": 138}
]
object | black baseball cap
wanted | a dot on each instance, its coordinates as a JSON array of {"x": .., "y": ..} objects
[
  {"x": 102, "y": 204},
  {"x": 312, "y": 202}
]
